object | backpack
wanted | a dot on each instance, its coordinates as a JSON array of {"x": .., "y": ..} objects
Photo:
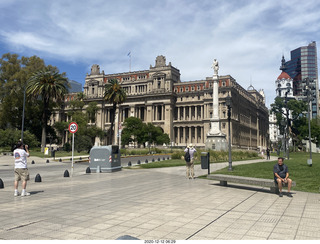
[{"x": 187, "y": 156}]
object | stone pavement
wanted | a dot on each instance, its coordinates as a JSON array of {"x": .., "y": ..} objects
[{"x": 153, "y": 204}]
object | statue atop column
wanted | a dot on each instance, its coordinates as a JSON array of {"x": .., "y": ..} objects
[
  {"x": 216, "y": 140},
  {"x": 215, "y": 66}
]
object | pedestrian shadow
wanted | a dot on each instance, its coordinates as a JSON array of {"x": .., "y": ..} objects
[
  {"x": 35, "y": 192},
  {"x": 244, "y": 187}
]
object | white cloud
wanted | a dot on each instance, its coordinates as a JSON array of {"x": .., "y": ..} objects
[{"x": 247, "y": 37}]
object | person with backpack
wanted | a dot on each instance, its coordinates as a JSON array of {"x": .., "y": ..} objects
[{"x": 188, "y": 157}]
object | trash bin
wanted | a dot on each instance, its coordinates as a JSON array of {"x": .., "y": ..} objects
[
  {"x": 205, "y": 161},
  {"x": 105, "y": 158}
]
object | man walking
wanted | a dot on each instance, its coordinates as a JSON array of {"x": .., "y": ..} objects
[
  {"x": 190, "y": 161},
  {"x": 20, "y": 168},
  {"x": 268, "y": 153}
]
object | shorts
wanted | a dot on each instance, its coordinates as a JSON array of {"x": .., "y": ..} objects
[{"x": 21, "y": 174}]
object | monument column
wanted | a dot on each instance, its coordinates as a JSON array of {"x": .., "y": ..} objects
[{"x": 216, "y": 140}]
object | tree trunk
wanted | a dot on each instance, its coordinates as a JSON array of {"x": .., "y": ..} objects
[
  {"x": 44, "y": 126},
  {"x": 43, "y": 138}
]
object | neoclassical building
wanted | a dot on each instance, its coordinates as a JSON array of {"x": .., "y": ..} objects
[{"x": 182, "y": 109}]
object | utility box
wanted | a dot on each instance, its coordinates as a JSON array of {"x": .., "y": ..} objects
[
  {"x": 205, "y": 161},
  {"x": 105, "y": 159}
]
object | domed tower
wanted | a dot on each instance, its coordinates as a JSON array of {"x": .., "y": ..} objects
[{"x": 284, "y": 83}]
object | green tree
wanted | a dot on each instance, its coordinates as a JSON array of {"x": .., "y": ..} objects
[
  {"x": 280, "y": 107},
  {"x": 10, "y": 137},
  {"x": 86, "y": 134},
  {"x": 136, "y": 131},
  {"x": 133, "y": 128},
  {"x": 50, "y": 86},
  {"x": 115, "y": 95},
  {"x": 157, "y": 135},
  {"x": 14, "y": 73}
]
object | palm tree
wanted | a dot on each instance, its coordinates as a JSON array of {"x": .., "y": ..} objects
[
  {"x": 49, "y": 86},
  {"x": 114, "y": 94}
]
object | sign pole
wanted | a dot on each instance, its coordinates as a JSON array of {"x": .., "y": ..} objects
[
  {"x": 73, "y": 127},
  {"x": 72, "y": 154}
]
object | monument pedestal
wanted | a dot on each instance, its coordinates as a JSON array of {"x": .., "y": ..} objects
[{"x": 217, "y": 142}]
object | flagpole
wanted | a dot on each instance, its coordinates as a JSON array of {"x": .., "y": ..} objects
[{"x": 129, "y": 54}]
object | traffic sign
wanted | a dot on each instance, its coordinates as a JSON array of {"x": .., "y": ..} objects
[{"x": 73, "y": 127}]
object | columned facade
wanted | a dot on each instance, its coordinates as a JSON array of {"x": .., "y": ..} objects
[{"x": 182, "y": 109}]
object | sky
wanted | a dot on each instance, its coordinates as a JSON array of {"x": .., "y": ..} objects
[{"x": 247, "y": 37}]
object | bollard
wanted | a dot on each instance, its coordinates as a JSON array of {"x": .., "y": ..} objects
[
  {"x": 47, "y": 161},
  {"x": 146, "y": 161},
  {"x": 98, "y": 169},
  {"x": 1, "y": 184},
  {"x": 66, "y": 173},
  {"x": 32, "y": 162},
  {"x": 60, "y": 160},
  {"x": 38, "y": 178},
  {"x": 129, "y": 164},
  {"x": 80, "y": 158},
  {"x": 88, "y": 170},
  {"x": 138, "y": 162}
]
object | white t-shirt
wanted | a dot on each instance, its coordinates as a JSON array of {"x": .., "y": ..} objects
[{"x": 20, "y": 158}]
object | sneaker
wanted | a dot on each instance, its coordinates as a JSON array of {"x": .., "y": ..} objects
[
  {"x": 289, "y": 194},
  {"x": 16, "y": 193},
  {"x": 280, "y": 194},
  {"x": 24, "y": 194}
]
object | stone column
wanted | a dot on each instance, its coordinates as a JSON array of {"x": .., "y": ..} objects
[
  {"x": 196, "y": 134},
  {"x": 216, "y": 140}
]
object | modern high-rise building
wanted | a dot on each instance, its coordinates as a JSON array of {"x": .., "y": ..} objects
[
  {"x": 75, "y": 86},
  {"x": 303, "y": 64}
]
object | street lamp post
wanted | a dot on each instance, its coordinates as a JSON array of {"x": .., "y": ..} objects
[
  {"x": 308, "y": 91},
  {"x": 149, "y": 134},
  {"x": 23, "y": 109},
  {"x": 287, "y": 148},
  {"x": 228, "y": 103}
]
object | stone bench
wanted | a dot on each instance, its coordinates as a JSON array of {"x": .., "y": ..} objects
[{"x": 224, "y": 179}]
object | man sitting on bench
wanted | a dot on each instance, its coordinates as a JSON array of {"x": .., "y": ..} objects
[{"x": 281, "y": 176}]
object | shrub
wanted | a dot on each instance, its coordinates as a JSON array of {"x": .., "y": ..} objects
[
  {"x": 67, "y": 147},
  {"x": 177, "y": 155}
]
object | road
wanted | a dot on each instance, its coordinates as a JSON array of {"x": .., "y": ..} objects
[{"x": 49, "y": 171}]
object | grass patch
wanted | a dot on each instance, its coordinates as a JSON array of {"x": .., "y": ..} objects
[{"x": 307, "y": 178}]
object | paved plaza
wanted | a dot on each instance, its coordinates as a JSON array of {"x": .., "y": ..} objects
[{"x": 151, "y": 204}]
